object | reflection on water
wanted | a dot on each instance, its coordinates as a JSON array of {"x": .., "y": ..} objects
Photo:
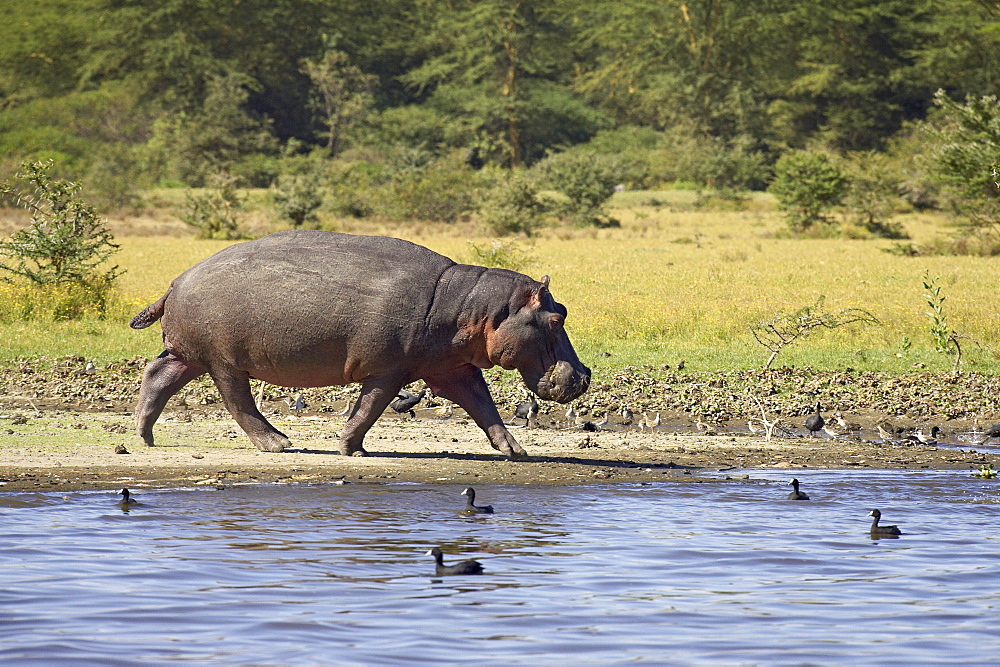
[{"x": 694, "y": 572}]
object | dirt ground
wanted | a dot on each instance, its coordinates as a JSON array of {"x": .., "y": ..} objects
[{"x": 54, "y": 448}]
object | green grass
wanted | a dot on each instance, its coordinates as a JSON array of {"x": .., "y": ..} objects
[{"x": 668, "y": 285}]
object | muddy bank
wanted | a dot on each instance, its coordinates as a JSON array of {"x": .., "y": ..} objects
[{"x": 50, "y": 448}]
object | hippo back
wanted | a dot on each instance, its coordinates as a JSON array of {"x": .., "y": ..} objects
[{"x": 303, "y": 299}]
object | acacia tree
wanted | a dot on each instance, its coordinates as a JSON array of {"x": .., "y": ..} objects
[{"x": 341, "y": 94}]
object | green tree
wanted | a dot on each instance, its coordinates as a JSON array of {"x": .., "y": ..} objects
[
  {"x": 65, "y": 245},
  {"x": 342, "y": 94},
  {"x": 497, "y": 64},
  {"x": 964, "y": 157},
  {"x": 807, "y": 184}
]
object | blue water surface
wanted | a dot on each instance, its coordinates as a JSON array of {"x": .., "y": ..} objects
[{"x": 716, "y": 571}]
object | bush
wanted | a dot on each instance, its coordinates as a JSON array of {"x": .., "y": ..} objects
[
  {"x": 967, "y": 151},
  {"x": 441, "y": 190},
  {"x": 65, "y": 245},
  {"x": 297, "y": 197},
  {"x": 513, "y": 207},
  {"x": 501, "y": 255},
  {"x": 214, "y": 212},
  {"x": 873, "y": 194},
  {"x": 588, "y": 181},
  {"x": 807, "y": 184}
]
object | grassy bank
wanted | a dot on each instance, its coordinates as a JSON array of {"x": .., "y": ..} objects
[{"x": 672, "y": 283}]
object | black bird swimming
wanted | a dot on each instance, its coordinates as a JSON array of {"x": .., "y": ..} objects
[
  {"x": 882, "y": 531},
  {"x": 405, "y": 401},
  {"x": 796, "y": 494},
  {"x": 461, "y": 567},
  {"x": 127, "y": 499},
  {"x": 470, "y": 503},
  {"x": 527, "y": 410},
  {"x": 815, "y": 422}
]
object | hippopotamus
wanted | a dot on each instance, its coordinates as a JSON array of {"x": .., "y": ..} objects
[{"x": 308, "y": 308}]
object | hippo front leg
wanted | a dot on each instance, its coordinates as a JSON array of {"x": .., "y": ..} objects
[
  {"x": 234, "y": 387},
  {"x": 376, "y": 395},
  {"x": 469, "y": 390}
]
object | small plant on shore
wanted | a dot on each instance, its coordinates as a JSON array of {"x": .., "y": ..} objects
[
  {"x": 784, "y": 329},
  {"x": 940, "y": 333},
  {"x": 60, "y": 255},
  {"x": 985, "y": 471}
]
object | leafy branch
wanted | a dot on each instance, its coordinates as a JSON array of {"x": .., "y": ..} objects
[{"x": 784, "y": 329}]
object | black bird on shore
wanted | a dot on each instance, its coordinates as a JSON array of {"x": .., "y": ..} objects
[
  {"x": 882, "y": 531},
  {"x": 405, "y": 401},
  {"x": 815, "y": 422},
  {"x": 470, "y": 503},
  {"x": 461, "y": 567},
  {"x": 796, "y": 494},
  {"x": 527, "y": 410}
]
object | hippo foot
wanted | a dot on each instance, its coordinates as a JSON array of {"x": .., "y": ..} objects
[
  {"x": 518, "y": 455},
  {"x": 275, "y": 444},
  {"x": 347, "y": 450}
]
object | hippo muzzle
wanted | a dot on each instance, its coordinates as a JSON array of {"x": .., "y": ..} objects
[{"x": 562, "y": 382}]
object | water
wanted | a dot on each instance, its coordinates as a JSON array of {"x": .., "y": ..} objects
[{"x": 711, "y": 572}]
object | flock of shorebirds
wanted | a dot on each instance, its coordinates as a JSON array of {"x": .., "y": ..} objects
[{"x": 834, "y": 426}]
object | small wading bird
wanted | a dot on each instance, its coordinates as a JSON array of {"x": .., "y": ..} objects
[
  {"x": 924, "y": 438},
  {"x": 796, "y": 494},
  {"x": 882, "y": 531},
  {"x": 601, "y": 424},
  {"x": 470, "y": 503},
  {"x": 846, "y": 426},
  {"x": 991, "y": 432},
  {"x": 461, "y": 567},
  {"x": 405, "y": 401},
  {"x": 815, "y": 422},
  {"x": 627, "y": 417},
  {"x": 883, "y": 433}
]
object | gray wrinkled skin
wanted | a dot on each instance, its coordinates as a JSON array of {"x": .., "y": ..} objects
[{"x": 313, "y": 309}]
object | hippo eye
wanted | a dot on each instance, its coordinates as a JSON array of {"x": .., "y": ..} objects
[{"x": 555, "y": 322}]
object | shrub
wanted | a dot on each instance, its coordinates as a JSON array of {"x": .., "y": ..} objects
[
  {"x": 297, "y": 197},
  {"x": 441, "y": 190},
  {"x": 807, "y": 184},
  {"x": 214, "y": 212},
  {"x": 967, "y": 150},
  {"x": 501, "y": 254},
  {"x": 513, "y": 207},
  {"x": 588, "y": 181},
  {"x": 872, "y": 194},
  {"x": 63, "y": 248}
]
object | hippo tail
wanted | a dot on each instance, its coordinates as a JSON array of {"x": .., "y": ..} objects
[{"x": 149, "y": 314}]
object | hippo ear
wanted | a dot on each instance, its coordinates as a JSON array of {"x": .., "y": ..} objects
[{"x": 544, "y": 285}]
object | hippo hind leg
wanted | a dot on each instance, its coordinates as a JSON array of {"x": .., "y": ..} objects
[
  {"x": 376, "y": 395},
  {"x": 234, "y": 387},
  {"x": 163, "y": 377}
]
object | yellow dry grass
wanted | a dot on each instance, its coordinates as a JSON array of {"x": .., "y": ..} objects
[{"x": 665, "y": 286}]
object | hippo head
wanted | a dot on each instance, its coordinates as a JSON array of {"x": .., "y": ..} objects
[{"x": 532, "y": 340}]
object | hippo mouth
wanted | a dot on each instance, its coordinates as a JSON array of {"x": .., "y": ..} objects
[{"x": 563, "y": 383}]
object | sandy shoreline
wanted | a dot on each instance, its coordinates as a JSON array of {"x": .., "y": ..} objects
[{"x": 57, "y": 449}]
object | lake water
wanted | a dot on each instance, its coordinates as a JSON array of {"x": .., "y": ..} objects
[{"x": 672, "y": 572}]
